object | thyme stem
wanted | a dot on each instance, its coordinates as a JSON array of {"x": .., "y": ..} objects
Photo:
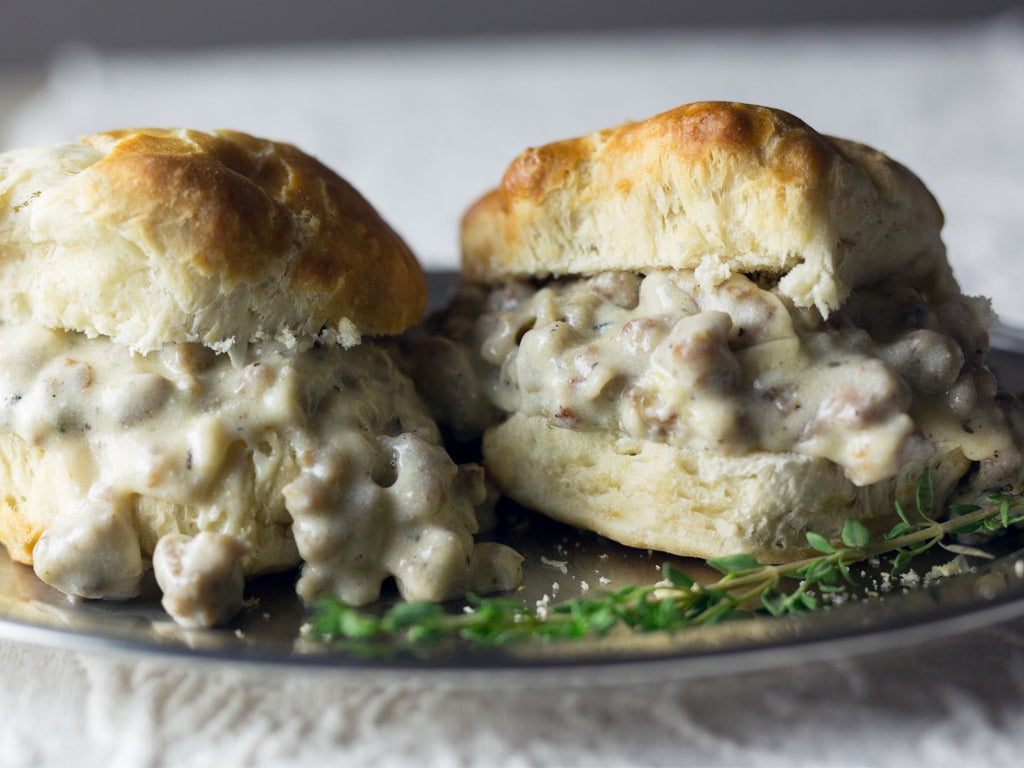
[
  {"x": 929, "y": 535},
  {"x": 676, "y": 602}
]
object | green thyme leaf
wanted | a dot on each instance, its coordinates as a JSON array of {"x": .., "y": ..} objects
[
  {"x": 901, "y": 562},
  {"x": 963, "y": 509},
  {"x": 774, "y": 602},
  {"x": 406, "y": 615},
  {"x": 965, "y": 529},
  {"x": 677, "y": 577},
  {"x": 901, "y": 513},
  {"x": 844, "y": 569},
  {"x": 819, "y": 543},
  {"x": 900, "y": 529},
  {"x": 855, "y": 534},
  {"x": 734, "y": 563}
]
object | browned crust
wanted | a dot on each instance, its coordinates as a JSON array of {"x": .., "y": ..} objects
[
  {"x": 690, "y": 133},
  {"x": 244, "y": 209}
]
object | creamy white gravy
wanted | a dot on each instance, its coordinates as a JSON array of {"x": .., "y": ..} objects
[
  {"x": 733, "y": 368},
  {"x": 369, "y": 493}
]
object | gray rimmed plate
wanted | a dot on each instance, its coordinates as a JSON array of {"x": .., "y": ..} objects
[{"x": 560, "y": 563}]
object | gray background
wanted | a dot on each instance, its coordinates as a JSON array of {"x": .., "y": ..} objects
[{"x": 34, "y": 29}]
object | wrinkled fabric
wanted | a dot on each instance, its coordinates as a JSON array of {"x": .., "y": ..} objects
[{"x": 947, "y": 702}]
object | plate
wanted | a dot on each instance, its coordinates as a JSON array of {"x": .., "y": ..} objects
[{"x": 560, "y": 563}]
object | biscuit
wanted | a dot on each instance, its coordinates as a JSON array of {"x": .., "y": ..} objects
[
  {"x": 716, "y": 187},
  {"x": 221, "y": 237}
]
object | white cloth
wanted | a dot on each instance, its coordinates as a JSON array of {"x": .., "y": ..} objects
[
  {"x": 950, "y": 702},
  {"x": 422, "y": 130}
]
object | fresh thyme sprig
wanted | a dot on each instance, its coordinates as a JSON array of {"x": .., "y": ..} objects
[{"x": 745, "y": 587}]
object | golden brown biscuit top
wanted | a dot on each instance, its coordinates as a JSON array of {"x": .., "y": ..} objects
[
  {"x": 211, "y": 236},
  {"x": 714, "y": 186},
  {"x": 692, "y": 133}
]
